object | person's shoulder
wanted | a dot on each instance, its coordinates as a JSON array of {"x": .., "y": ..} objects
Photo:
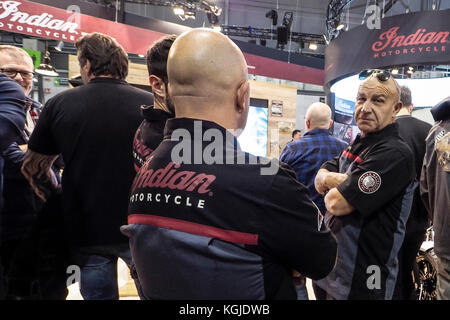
[
  {"x": 11, "y": 87},
  {"x": 394, "y": 147},
  {"x": 137, "y": 91},
  {"x": 337, "y": 140},
  {"x": 410, "y": 121}
]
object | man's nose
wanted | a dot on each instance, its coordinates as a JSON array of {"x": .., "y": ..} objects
[
  {"x": 366, "y": 107},
  {"x": 19, "y": 77}
]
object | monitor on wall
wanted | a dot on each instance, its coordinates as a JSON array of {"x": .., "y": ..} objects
[{"x": 254, "y": 137}]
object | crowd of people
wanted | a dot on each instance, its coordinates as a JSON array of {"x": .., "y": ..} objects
[{"x": 109, "y": 171}]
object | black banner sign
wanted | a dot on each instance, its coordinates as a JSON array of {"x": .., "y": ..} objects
[{"x": 407, "y": 39}]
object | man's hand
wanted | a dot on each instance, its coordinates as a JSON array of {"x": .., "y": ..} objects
[
  {"x": 37, "y": 170},
  {"x": 326, "y": 180},
  {"x": 336, "y": 204}
]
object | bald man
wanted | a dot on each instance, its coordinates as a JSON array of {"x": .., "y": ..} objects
[
  {"x": 368, "y": 198},
  {"x": 205, "y": 220},
  {"x": 306, "y": 155}
]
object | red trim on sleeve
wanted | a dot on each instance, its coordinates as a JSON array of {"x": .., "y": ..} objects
[
  {"x": 194, "y": 228},
  {"x": 352, "y": 157}
]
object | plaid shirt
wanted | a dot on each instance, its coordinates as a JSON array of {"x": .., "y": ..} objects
[{"x": 307, "y": 154}]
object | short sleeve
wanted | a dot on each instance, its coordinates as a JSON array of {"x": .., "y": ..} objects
[
  {"x": 378, "y": 179},
  {"x": 331, "y": 165},
  {"x": 42, "y": 139}
]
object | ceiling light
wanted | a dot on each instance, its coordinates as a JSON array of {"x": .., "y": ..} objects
[
  {"x": 178, "y": 11},
  {"x": 394, "y": 71},
  {"x": 59, "y": 47},
  {"x": 312, "y": 46}
]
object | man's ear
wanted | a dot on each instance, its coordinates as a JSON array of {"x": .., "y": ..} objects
[
  {"x": 158, "y": 85},
  {"x": 243, "y": 97},
  {"x": 87, "y": 68},
  {"x": 411, "y": 107},
  {"x": 397, "y": 107},
  {"x": 331, "y": 123},
  {"x": 307, "y": 124}
]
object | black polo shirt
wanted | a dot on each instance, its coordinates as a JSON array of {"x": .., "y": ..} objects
[
  {"x": 380, "y": 188},
  {"x": 222, "y": 230},
  {"x": 93, "y": 126}
]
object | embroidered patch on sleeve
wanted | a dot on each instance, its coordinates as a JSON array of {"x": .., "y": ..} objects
[{"x": 369, "y": 182}]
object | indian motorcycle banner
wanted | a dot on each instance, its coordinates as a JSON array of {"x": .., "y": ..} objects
[{"x": 408, "y": 39}]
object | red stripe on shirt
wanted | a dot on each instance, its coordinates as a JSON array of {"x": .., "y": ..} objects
[
  {"x": 352, "y": 157},
  {"x": 194, "y": 228}
]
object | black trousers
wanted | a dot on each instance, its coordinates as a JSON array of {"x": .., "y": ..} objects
[{"x": 414, "y": 236}]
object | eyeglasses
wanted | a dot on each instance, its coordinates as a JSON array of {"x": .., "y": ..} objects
[
  {"x": 382, "y": 75},
  {"x": 13, "y": 73}
]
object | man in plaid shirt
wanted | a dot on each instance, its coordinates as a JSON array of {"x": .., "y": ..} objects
[{"x": 317, "y": 145}]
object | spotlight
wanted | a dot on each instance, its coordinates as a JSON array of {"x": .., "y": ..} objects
[
  {"x": 411, "y": 68},
  {"x": 338, "y": 25},
  {"x": 141, "y": 56},
  {"x": 272, "y": 14},
  {"x": 312, "y": 46},
  {"x": 212, "y": 18},
  {"x": 189, "y": 15},
  {"x": 178, "y": 11},
  {"x": 282, "y": 37},
  {"x": 287, "y": 20},
  {"x": 394, "y": 71},
  {"x": 59, "y": 47}
]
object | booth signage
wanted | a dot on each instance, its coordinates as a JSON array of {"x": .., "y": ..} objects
[
  {"x": 415, "y": 38},
  {"x": 53, "y": 23}
]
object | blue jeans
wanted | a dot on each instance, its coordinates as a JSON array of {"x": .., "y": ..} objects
[
  {"x": 98, "y": 267},
  {"x": 302, "y": 293}
]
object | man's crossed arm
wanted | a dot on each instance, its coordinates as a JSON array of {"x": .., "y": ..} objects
[
  {"x": 37, "y": 170},
  {"x": 326, "y": 183}
]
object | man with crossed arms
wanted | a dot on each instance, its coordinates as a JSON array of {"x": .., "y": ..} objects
[{"x": 368, "y": 194}]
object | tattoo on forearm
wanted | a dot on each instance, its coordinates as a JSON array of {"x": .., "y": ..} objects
[{"x": 37, "y": 170}]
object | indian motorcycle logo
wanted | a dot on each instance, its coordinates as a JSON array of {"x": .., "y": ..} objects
[
  {"x": 11, "y": 18},
  {"x": 390, "y": 43},
  {"x": 172, "y": 178}
]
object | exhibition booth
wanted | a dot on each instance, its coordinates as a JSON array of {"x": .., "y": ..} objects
[
  {"x": 273, "y": 114},
  {"x": 414, "y": 47}
]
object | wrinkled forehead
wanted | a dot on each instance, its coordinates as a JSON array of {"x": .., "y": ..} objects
[
  {"x": 17, "y": 61},
  {"x": 388, "y": 88}
]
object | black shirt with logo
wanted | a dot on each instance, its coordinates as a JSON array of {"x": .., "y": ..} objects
[
  {"x": 222, "y": 229},
  {"x": 380, "y": 187},
  {"x": 149, "y": 134},
  {"x": 93, "y": 126}
]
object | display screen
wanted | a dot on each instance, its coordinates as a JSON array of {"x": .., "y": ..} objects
[{"x": 254, "y": 137}]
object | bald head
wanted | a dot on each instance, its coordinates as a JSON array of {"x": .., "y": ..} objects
[
  {"x": 207, "y": 76},
  {"x": 377, "y": 104},
  {"x": 318, "y": 116},
  {"x": 390, "y": 87}
]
